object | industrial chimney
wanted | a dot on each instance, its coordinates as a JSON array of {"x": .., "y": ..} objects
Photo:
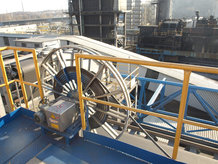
[{"x": 164, "y": 10}]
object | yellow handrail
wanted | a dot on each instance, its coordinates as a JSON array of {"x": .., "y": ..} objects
[
  {"x": 180, "y": 120},
  {"x": 20, "y": 80},
  {"x": 184, "y": 67},
  {"x": 5, "y": 77}
]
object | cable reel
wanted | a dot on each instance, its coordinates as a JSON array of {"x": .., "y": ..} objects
[{"x": 58, "y": 75}]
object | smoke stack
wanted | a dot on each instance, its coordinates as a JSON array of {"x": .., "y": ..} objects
[
  {"x": 164, "y": 10},
  {"x": 197, "y": 14}
]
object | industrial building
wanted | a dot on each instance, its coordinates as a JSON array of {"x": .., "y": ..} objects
[{"x": 100, "y": 20}]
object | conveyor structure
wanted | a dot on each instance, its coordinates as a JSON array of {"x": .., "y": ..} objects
[{"x": 84, "y": 96}]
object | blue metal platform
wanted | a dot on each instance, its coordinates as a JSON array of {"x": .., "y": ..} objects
[{"x": 21, "y": 140}]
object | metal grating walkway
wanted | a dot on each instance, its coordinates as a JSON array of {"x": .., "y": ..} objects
[{"x": 190, "y": 129}]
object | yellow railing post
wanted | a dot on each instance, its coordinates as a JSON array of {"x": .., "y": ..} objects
[
  {"x": 6, "y": 82},
  {"x": 79, "y": 87},
  {"x": 181, "y": 113},
  {"x": 38, "y": 75},
  {"x": 21, "y": 79}
]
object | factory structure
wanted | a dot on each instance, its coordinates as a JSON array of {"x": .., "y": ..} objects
[
  {"x": 114, "y": 22},
  {"x": 100, "y": 20}
]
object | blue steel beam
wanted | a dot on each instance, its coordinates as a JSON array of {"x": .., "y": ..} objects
[
  {"x": 206, "y": 103},
  {"x": 164, "y": 100},
  {"x": 200, "y": 99},
  {"x": 191, "y": 87}
]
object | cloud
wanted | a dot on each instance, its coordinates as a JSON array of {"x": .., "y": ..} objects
[
  {"x": 187, "y": 8},
  {"x": 32, "y": 5}
]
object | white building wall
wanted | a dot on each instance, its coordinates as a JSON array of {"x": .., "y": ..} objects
[
  {"x": 2, "y": 108},
  {"x": 141, "y": 12},
  {"x": 134, "y": 14},
  {"x": 19, "y": 29},
  {"x": 12, "y": 41},
  {"x": 120, "y": 5}
]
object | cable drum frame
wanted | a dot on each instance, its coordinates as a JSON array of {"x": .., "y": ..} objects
[{"x": 82, "y": 49}]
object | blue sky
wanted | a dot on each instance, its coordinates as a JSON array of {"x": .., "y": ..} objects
[
  {"x": 32, "y": 5},
  {"x": 8, "y": 6}
]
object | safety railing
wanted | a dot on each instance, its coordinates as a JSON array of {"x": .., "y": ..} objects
[
  {"x": 201, "y": 98},
  {"x": 184, "y": 93},
  {"x": 20, "y": 75},
  {"x": 165, "y": 99}
]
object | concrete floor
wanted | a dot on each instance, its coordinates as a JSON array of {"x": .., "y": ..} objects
[{"x": 183, "y": 155}]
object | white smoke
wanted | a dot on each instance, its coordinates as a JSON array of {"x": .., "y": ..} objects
[{"x": 187, "y": 8}]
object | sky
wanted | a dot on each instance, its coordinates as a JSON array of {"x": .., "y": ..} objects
[
  {"x": 8, "y": 6},
  {"x": 181, "y": 7},
  {"x": 187, "y": 8}
]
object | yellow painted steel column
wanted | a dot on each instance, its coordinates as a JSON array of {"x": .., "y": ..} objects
[
  {"x": 38, "y": 75},
  {"x": 21, "y": 79},
  {"x": 181, "y": 113},
  {"x": 6, "y": 82},
  {"x": 79, "y": 87}
]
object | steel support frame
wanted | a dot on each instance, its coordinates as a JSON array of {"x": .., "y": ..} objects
[
  {"x": 192, "y": 90},
  {"x": 185, "y": 87}
]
